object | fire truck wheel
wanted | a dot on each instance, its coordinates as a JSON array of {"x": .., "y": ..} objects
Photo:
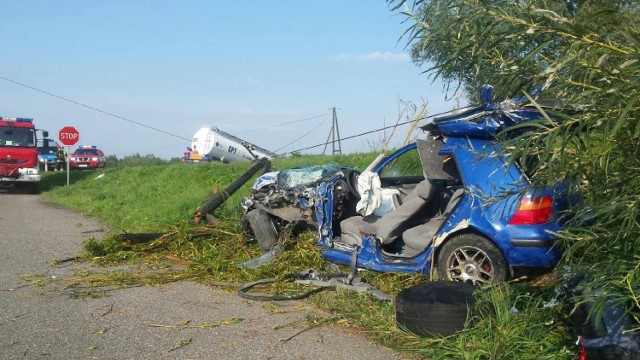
[
  {"x": 263, "y": 229},
  {"x": 27, "y": 188}
]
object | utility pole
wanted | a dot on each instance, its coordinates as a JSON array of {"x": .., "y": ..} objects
[{"x": 333, "y": 134}]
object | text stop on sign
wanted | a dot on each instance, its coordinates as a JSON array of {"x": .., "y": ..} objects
[{"x": 68, "y": 135}]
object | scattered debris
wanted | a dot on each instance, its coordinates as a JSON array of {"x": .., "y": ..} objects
[
  {"x": 108, "y": 311},
  {"x": 324, "y": 281},
  {"x": 101, "y": 330},
  {"x": 62, "y": 261},
  {"x": 187, "y": 324},
  {"x": 177, "y": 260},
  {"x": 312, "y": 326},
  {"x": 183, "y": 343},
  {"x": 139, "y": 238}
]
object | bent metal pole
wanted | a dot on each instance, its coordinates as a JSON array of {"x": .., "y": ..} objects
[{"x": 219, "y": 198}]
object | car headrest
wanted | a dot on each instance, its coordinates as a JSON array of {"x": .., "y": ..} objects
[{"x": 425, "y": 189}]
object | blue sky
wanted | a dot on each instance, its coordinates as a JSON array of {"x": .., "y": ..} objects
[{"x": 241, "y": 66}]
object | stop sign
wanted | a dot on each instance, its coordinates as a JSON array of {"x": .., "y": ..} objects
[{"x": 68, "y": 135}]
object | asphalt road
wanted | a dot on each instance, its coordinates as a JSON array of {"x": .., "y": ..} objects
[{"x": 39, "y": 317}]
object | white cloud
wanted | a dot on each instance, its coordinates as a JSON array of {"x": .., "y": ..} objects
[{"x": 372, "y": 56}]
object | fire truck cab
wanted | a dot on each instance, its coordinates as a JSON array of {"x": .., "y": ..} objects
[{"x": 18, "y": 153}]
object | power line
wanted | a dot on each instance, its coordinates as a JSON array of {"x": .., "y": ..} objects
[
  {"x": 166, "y": 147},
  {"x": 284, "y": 123},
  {"x": 182, "y": 138},
  {"x": 294, "y": 141},
  {"x": 93, "y": 108},
  {"x": 365, "y": 133}
]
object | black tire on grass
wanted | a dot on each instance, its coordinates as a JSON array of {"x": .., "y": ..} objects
[
  {"x": 434, "y": 308},
  {"x": 262, "y": 228}
]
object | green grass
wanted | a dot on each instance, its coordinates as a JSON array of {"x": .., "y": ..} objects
[{"x": 164, "y": 198}]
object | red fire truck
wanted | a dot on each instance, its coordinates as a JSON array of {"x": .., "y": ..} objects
[{"x": 18, "y": 153}]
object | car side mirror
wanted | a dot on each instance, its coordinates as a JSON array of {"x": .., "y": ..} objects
[{"x": 45, "y": 134}]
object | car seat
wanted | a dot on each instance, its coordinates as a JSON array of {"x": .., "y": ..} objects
[
  {"x": 419, "y": 237},
  {"x": 390, "y": 226}
]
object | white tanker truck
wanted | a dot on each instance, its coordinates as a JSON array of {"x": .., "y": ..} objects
[{"x": 211, "y": 144}]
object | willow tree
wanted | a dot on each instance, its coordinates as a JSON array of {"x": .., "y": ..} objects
[{"x": 588, "y": 55}]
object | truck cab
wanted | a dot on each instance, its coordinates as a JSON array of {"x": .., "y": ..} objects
[{"x": 18, "y": 153}]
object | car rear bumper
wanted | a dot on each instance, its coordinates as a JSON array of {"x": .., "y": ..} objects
[
  {"x": 536, "y": 243},
  {"x": 531, "y": 245}
]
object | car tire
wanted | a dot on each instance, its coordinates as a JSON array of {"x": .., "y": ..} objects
[
  {"x": 436, "y": 308},
  {"x": 262, "y": 227},
  {"x": 472, "y": 259}
]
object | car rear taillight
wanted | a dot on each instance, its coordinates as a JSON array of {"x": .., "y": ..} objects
[{"x": 533, "y": 210}]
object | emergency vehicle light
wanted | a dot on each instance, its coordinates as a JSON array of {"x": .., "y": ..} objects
[
  {"x": 88, "y": 147},
  {"x": 12, "y": 119}
]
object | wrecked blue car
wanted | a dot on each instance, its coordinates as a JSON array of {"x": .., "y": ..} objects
[{"x": 450, "y": 205}]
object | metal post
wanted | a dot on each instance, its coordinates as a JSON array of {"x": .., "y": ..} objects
[
  {"x": 335, "y": 131},
  {"x": 67, "y": 160},
  {"x": 220, "y": 197}
]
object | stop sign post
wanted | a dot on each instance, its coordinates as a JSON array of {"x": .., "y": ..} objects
[{"x": 68, "y": 135}]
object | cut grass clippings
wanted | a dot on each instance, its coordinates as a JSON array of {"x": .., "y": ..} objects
[{"x": 188, "y": 325}]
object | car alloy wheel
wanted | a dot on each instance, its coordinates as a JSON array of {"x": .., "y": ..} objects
[
  {"x": 470, "y": 265},
  {"x": 472, "y": 259}
]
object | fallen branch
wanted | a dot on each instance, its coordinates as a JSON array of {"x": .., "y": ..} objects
[
  {"x": 312, "y": 326},
  {"x": 177, "y": 260},
  {"x": 62, "y": 261},
  {"x": 108, "y": 311},
  {"x": 225, "y": 283},
  {"x": 139, "y": 238},
  {"x": 187, "y": 325}
]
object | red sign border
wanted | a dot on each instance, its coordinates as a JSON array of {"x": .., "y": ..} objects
[{"x": 68, "y": 130}]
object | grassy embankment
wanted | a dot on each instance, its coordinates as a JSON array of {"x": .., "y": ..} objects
[{"x": 163, "y": 198}]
